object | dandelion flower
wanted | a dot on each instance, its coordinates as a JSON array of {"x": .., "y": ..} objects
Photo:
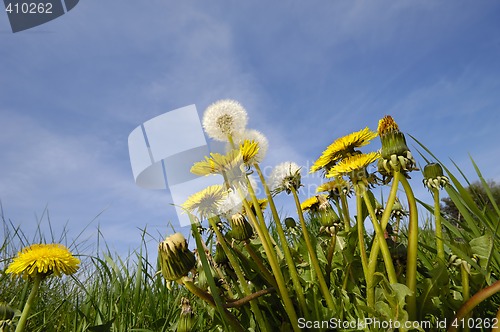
[
  {"x": 355, "y": 167},
  {"x": 176, "y": 259},
  {"x": 224, "y": 118},
  {"x": 284, "y": 177},
  {"x": 342, "y": 148},
  {"x": 335, "y": 187},
  {"x": 310, "y": 204},
  {"x": 43, "y": 260},
  {"x": 206, "y": 202},
  {"x": 249, "y": 150},
  {"x": 259, "y": 138},
  {"x": 218, "y": 163}
]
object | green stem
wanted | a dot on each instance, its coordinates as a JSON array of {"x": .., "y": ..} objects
[
  {"x": 29, "y": 303},
  {"x": 263, "y": 269},
  {"x": 271, "y": 256},
  {"x": 467, "y": 307},
  {"x": 329, "y": 258},
  {"x": 465, "y": 290},
  {"x": 284, "y": 243},
  {"x": 370, "y": 294},
  {"x": 261, "y": 219},
  {"x": 312, "y": 253},
  {"x": 345, "y": 211},
  {"x": 239, "y": 273},
  {"x": 384, "y": 220},
  {"x": 386, "y": 254},
  {"x": 411, "y": 261},
  {"x": 439, "y": 228},
  {"x": 209, "y": 299},
  {"x": 211, "y": 282}
]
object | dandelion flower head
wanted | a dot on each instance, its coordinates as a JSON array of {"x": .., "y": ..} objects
[
  {"x": 224, "y": 118},
  {"x": 352, "y": 164},
  {"x": 259, "y": 138},
  {"x": 44, "y": 260},
  {"x": 206, "y": 202},
  {"x": 341, "y": 148},
  {"x": 285, "y": 176}
]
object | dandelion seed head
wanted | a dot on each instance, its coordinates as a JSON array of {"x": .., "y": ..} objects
[{"x": 224, "y": 118}]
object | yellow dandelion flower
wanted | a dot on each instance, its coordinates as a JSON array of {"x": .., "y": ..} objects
[
  {"x": 44, "y": 260},
  {"x": 206, "y": 202},
  {"x": 336, "y": 186},
  {"x": 310, "y": 203},
  {"x": 262, "y": 204},
  {"x": 249, "y": 150},
  {"x": 352, "y": 164},
  {"x": 342, "y": 148},
  {"x": 218, "y": 163}
]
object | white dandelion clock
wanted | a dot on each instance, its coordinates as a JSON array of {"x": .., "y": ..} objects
[
  {"x": 224, "y": 118},
  {"x": 284, "y": 177}
]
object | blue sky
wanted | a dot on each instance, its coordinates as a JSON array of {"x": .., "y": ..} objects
[{"x": 307, "y": 72}]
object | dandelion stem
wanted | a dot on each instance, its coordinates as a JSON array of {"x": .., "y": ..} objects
[
  {"x": 211, "y": 282},
  {"x": 439, "y": 228},
  {"x": 329, "y": 258},
  {"x": 345, "y": 211},
  {"x": 389, "y": 266},
  {"x": 384, "y": 220},
  {"x": 312, "y": 253},
  {"x": 471, "y": 303},
  {"x": 411, "y": 261},
  {"x": 209, "y": 299},
  {"x": 239, "y": 273},
  {"x": 271, "y": 256},
  {"x": 465, "y": 290},
  {"x": 362, "y": 251},
  {"x": 286, "y": 250},
  {"x": 29, "y": 303}
]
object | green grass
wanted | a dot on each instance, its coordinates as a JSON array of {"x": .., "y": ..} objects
[{"x": 114, "y": 293}]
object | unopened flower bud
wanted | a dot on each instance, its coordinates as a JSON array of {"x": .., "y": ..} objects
[
  {"x": 220, "y": 256},
  {"x": 290, "y": 223},
  {"x": 176, "y": 259},
  {"x": 434, "y": 177},
  {"x": 186, "y": 318},
  {"x": 241, "y": 230},
  {"x": 395, "y": 153}
]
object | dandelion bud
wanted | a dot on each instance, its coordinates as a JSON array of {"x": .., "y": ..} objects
[
  {"x": 434, "y": 177},
  {"x": 186, "y": 318},
  {"x": 395, "y": 153},
  {"x": 241, "y": 230},
  {"x": 398, "y": 210},
  {"x": 176, "y": 259},
  {"x": 220, "y": 256},
  {"x": 290, "y": 223}
]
